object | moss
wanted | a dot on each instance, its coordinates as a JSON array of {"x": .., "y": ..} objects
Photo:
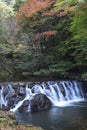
[
  {"x": 2, "y": 120},
  {"x": 8, "y": 122},
  {"x": 11, "y": 115}
]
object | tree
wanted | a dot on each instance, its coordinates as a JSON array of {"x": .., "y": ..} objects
[
  {"x": 79, "y": 30},
  {"x": 5, "y": 13},
  {"x": 55, "y": 33},
  {"x": 32, "y": 7},
  {"x": 18, "y": 4},
  {"x": 8, "y": 2},
  {"x": 79, "y": 24},
  {"x": 6, "y": 36}
]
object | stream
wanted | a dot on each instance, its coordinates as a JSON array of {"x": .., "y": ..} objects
[
  {"x": 71, "y": 117},
  {"x": 53, "y": 105}
]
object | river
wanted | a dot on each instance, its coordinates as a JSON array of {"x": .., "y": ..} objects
[{"x": 71, "y": 117}]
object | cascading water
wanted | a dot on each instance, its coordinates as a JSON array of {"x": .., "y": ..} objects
[
  {"x": 2, "y": 99},
  {"x": 58, "y": 92},
  {"x": 8, "y": 94}
]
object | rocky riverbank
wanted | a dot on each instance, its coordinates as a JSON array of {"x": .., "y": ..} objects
[{"x": 8, "y": 122}]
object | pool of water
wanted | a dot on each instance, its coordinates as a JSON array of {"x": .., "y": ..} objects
[{"x": 71, "y": 117}]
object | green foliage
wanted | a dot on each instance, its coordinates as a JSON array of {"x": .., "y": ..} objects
[
  {"x": 84, "y": 76},
  {"x": 8, "y": 2},
  {"x": 37, "y": 50},
  {"x": 5, "y": 13},
  {"x": 61, "y": 53},
  {"x": 79, "y": 24},
  {"x": 17, "y": 4},
  {"x": 72, "y": 2},
  {"x": 79, "y": 29},
  {"x": 61, "y": 3}
]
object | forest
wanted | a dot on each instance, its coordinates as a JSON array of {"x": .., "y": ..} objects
[
  {"x": 43, "y": 64},
  {"x": 43, "y": 38}
]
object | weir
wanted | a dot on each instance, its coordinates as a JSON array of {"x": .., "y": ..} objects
[{"x": 41, "y": 96}]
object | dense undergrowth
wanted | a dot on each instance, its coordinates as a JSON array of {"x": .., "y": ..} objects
[{"x": 43, "y": 38}]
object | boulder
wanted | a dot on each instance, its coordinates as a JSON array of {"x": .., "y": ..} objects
[
  {"x": 18, "y": 98},
  {"x": 40, "y": 102},
  {"x": 6, "y": 108},
  {"x": 10, "y": 94},
  {"x": 10, "y": 103},
  {"x": 22, "y": 84},
  {"x": 21, "y": 91},
  {"x": 24, "y": 106},
  {"x": 6, "y": 90}
]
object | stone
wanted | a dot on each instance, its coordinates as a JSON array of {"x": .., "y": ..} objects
[
  {"x": 6, "y": 108},
  {"x": 22, "y": 84},
  {"x": 21, "y": 91},
  {"x": 62, "y": 89},
  {"x": 10, "y": 103},
  {"x": 40, "y": 102},
  {"x": 10, "y": 94},
  {"x": 24, "y": 106},
  {"x": 31, "y": 84},
  {"x": 18, "y": 98},
  {"x": 0, "y": 87},
  {"x": 6, "y": 90}
]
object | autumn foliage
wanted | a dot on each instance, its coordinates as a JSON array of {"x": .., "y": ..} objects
[
  {"x": 31, "y": 7},
  {"x": 46, "y": 33},
  {"x": 49, "y": 33}
]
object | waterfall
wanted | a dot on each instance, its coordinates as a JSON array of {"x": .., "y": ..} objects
[
  {"x": 3, "y": 100},
  {"x": 5, "y": 94},
  {"x": 58, "y": 92}
]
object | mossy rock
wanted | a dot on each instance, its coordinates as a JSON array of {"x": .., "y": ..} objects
[
  {"x": 11, "y": 115},
  {"x": 2, "y": 119},
  {"x": 8, "y": 122}
]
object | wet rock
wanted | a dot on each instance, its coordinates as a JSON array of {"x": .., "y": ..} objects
[
  {"x": 10, "y": 95},
  {"x": 24, "y": 106},
  {"x": 33, "y": 105},
  {"x": 85, "y": 95},
  {"x": 46, "y": 85},
  {"x": 10, "y": 103},
  {"x": 0, "y": 87},
  {"x": 15, "y": 85},
  {"x": 6, "y": 90},
  {"x": 40, "y": 102},
  {"x": 21, "y": 91},
  {"x": 6, "y": 108},
  {"x": 62, "y": 89},
  {"x": 18, "y": 98},
  {"x": 30, "y": 84},
  {"x": 22, "y": 84}
]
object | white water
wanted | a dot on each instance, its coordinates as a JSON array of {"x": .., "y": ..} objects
[
  {"x": 29, "y": 96},
  {"x": 3, "y": 100},
  {"x": 60, "y": 93}
]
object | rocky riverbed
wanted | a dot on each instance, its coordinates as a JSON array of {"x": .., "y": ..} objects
[
  {"x": 8, "y": 122},
  {"x": 14, "y": 93}
]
